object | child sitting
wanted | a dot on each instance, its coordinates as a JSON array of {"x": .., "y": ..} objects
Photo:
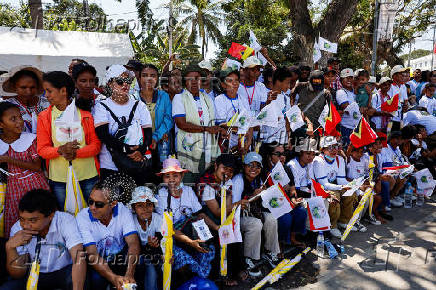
[{"x": 148, "y": 225}]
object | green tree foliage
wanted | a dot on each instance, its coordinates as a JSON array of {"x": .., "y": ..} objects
[{"x": 415, "y": 54}]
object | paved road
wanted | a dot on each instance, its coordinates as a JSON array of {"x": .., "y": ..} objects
[{"x": 400, "y": 255}]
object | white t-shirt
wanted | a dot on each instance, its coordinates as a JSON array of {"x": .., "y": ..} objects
[
  {"x": 356, "y": 169},
  {"x": 178, "y": 108},
  {"x": 271, "y": 134},
  {"x": 63, "y": 234},
  {"x": 402, "y": 95},
  {"x": 376, "y": 102},
  {"x": 422, "y": 118},
  {"x": 330, "y": 174},
  {"x": 253, "y": 96},
  {"x": 109, "y": 239},
  {"x": 225, "y": 109},
  {"x": 344, "y": 96},
  {"x": 429, "y": 104},
  {"x": 237, "y": 187},
  {"x": 186, "y": 205},
  {"x": 153, "y": 228},
  {"x": 390, "y": 157},
  {"x": 302, "y": 175},
  {"x": 101, "y": 116}
]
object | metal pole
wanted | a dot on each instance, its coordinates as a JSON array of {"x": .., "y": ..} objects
[
  {"x": 408, "y": 57},
  {"x": 374, "y": 39},
  {"x": 170, "y": 34},
  {"x": 86, "y": 12},
  {"x": 433, "y": 48}
]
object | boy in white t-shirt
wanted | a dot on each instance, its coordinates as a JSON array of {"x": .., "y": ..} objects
[
  {"x": 56, "y": 236},
  {"x": 148, "y": 224},
  {"x": 427, "y": 100}
]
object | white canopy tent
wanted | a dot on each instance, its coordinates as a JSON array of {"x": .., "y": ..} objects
[{"x": 53, "y": 50}]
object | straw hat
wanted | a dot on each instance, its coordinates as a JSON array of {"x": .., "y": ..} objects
[{"x": 10, "y": 88}]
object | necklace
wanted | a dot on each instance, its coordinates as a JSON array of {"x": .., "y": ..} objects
[{"x": 250, "y": 99}]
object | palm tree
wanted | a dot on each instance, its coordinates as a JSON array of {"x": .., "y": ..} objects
[
  {"x": 36, "y": 13},
  {"x": 203, "y": 17}
]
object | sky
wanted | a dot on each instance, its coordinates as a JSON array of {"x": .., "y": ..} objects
[{"x": 126, "y": 10}]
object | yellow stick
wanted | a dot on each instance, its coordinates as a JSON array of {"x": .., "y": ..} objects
[{"x": 223, "y": 252}]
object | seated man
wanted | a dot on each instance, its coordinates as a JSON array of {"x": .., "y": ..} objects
[
  {"x": 54, "y": 235},
  {"x": 109, "y": 238}
]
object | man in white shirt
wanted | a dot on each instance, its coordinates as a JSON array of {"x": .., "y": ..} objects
[
  {"x": 398, "y": 88},
  {"x": 54, "y": 235},
  {"x": 109, "y": 236},
  {"x": 380, "y": 118},
  {"x": 427, "y": 100}
]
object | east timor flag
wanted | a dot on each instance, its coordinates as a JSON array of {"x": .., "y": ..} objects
[
  {"x": 363, "y": 134},
  {"x": 332, "y": 120},
  {"x": 391, "y": 105}
]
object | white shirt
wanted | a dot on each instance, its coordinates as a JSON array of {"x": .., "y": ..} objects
[
  {"x": 391, "y": 157},
  {"x": 279, "y": 134},
  {"x": 178, "y": 108},
  {"x": 344, "y": 96},
  {"x": 253, "y": 96},
  {"x": 109, "y": 239},
  {"x": 153, "y": 228},
  {"x": 237, "y": 187},
  {"x": 101, "y": 115},
  {"x": 429, "y": 104},
  {"x": 422, "y": 118},
  {"x": 356, "y": 169},
  {"x": 330, "y": 174},
  {"x": 302, "y": 175},
  {"x": 376, "y": 101},
  {"x": 186, "y": 205},
  {"x": 63, "y": 234},
  {"x": 225, "y": 109},
  {"x": 402, "y": 96}
]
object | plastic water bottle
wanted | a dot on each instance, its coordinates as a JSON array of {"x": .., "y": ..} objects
[
  {"x": 164, "y": 150},
  {"x": 331, "y": 249},
  {"x": 420, "y": 199},
  {"x": 408, "y": 192},
  {"x": 320, "y": 245}
]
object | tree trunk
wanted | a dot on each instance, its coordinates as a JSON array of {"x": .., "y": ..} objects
[
  {"x": 330, "y": 27},
  {"x": 36, "y": 13}
]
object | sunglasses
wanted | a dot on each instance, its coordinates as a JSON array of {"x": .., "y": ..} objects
[
  {"x": 121, "y": 81},
  {"x": 278, "y": 154},
  {"x": 98, "y": 204}
]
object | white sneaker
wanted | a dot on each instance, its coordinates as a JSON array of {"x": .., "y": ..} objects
[
  {"x": 387, "y": 208},
  {"x": 252, "y": 269},
  {"x": 413, "y": 198},
  {"x": 396, "y": 203},
  {"x": 361, "y": 228},
  {"x": 400, "y": 199},
  {"x": 336, "y": 233},
  {"x": 374, "y": 221},
  {"x": 272, "y": 259},
  {"x": 342, "y": 226}
]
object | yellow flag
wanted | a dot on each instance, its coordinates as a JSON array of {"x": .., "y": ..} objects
[
  {"x": 223, "y": 253},
  {"x": 232, "y": 120},
  {"x": 2, "y": 208},
  {"x": 32, "y": 282},
  {"x": 167, "y": 232},
  {"x": 247, "y": 52}
]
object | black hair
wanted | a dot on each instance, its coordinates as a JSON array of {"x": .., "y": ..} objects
[
  {"x": 267, "y": 73},
  {"x": 280, "y": 74},
  {"x": 38, "y": 200},
  {"x": 4, "y": 106},
  {"x": 165, "y": 79},
  {"x": 25, "y": 73},
  {"x": 419, "y": 127},
  {"x": 152, "y": 66},
  {"x": 429, "y": 86},
  {"x": 59, "y": 80},
  {"x": 266, "y": 150},
  {"x": 408, "y": 132},
  {"x": 79, "y": 60},
  {"x": 363, "y": 73},
  {"x": 80, "y": 68},
  {"x": 191, "y": 68}
]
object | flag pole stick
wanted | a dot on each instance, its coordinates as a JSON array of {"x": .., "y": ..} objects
[{"x": 223, "y": 251}]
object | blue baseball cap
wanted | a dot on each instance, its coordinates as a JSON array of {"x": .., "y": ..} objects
[{"x": 252, "y": 157}]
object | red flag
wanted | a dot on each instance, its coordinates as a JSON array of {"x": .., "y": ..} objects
[
  {"x": 434, "y": 48},
  {"x": 332, "y": 120},
  {"x": 363, "y": 134},
  {"x": 237, "y": 50},
  {"x": 396, "y": 167},
  {"x": 319, "y": 190},
  {"x": 391, "y": 105}
]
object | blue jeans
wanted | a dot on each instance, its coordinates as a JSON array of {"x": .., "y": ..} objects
[
  {"x": 59, "y": 189},
  {"x": 292, "y": 222},
  {"x": 147, "y": 272},
  {"x": 346, "y": 132},
  {"x": 60, "y": 279}
]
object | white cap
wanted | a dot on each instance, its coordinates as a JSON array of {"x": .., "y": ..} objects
[
  {"x": 328, "y": 141},
  {"x": 347, "y": 72},
  {"x": 357, "y": 71},
  {"x": 372, "y": 80},
  {"x": 252, "y": 61},
  {"x": 142, "y": 194},
  {"x": 205, "y": 64},
  {"x": 397, "y": 69},
  {"x": 115, "y": 71},
  {"x": 384, "y": 79}
]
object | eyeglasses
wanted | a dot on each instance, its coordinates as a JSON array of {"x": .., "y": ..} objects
[
  {"x": 333, "y": 147},
  {"x": 254, "y": 165},
  {"x": 121, "y": 81},
  {"x": 98, "y": 204},
  {"x": 278, "y": 154}
]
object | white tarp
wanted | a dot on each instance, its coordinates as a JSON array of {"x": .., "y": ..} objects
[{"x": 53, "y": 50}]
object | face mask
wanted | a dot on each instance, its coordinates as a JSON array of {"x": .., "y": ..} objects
[{"x": 329, "y": 158}]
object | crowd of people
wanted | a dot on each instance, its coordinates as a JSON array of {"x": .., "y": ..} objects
[{"x": 174, "y": 128}]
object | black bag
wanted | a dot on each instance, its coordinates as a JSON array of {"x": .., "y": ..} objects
[{"x": 120, "y": 159}]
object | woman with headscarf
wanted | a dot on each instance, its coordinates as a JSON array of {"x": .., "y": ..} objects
[{"x": 26, "y": 82}]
